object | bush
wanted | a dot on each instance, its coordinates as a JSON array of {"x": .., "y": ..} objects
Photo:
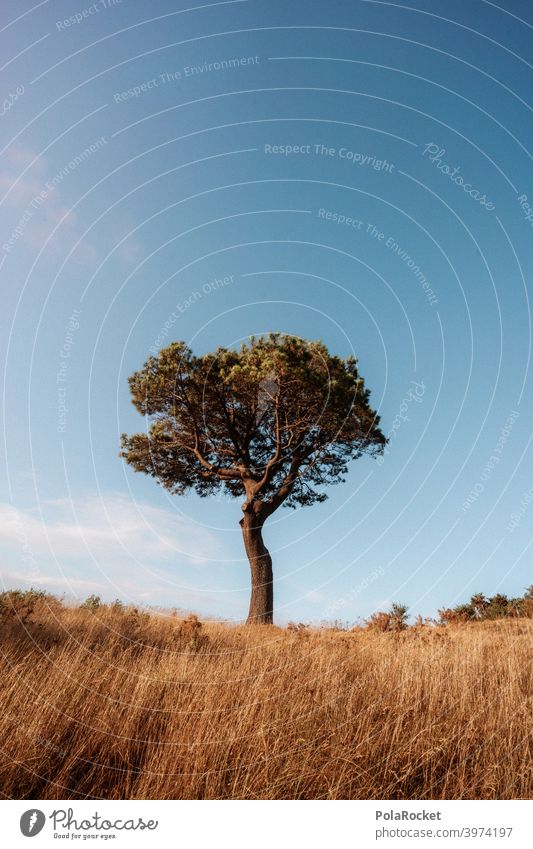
[
  {"x": 191, "y": 629},
  {"x": 393, "y": 620},
  {"x": 481, "y": 609},
  {"x": 22, "y": 603},
  {"x": 91, "y": 603}
]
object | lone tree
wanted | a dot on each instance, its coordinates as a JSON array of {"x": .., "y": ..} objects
[{"x": 273, "y": 423}]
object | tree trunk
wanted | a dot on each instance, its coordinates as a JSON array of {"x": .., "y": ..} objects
[{"x": 262, "y": 598}]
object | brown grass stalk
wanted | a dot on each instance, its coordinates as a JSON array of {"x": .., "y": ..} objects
[{"x": 116, "y": 704}]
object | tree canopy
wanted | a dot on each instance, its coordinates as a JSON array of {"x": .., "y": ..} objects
[{"x": 276, "y": 421}]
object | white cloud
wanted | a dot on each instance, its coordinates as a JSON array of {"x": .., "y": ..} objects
[
  {"x": 35, "y": 201},
  {"x": 132, "y": 588},
  {"x": 106, "y": 527},
  {"x": 112, "y": 546},
  {"x": 54, "y": 583}
]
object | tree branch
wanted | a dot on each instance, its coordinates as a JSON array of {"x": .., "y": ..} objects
[{"x": 276, "y": 457}]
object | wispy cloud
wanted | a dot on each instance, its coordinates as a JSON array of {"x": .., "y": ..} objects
[
  {"x": 37, "y": 198},
  {"x": 111, "y": 545},
  {"x": 108, "y": 526}
]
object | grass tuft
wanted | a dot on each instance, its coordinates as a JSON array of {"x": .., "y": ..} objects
[{"x": 109, "y": 702}]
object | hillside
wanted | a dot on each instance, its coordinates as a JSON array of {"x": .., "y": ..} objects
[{"x": 115, "y": 703}]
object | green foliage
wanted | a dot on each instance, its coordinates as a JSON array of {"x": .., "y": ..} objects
[
  {"x": 91, "y": 603},
  {"x": 480, "y": 608},
  {"x": 398, "y": 615},
  {"x": 276, "y": 421}
]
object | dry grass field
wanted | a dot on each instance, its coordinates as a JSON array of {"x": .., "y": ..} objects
[{"x": 116, "y": 704}]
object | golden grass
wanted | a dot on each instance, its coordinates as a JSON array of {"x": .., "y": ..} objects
[{"x": 118, "y": 705}]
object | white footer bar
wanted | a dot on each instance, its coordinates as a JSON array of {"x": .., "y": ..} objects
[{"x": 262, "y": 824}]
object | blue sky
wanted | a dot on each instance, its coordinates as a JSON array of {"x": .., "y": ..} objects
[{"x": 351, "y": 171}]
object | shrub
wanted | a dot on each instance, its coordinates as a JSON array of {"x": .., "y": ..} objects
[
  {"x": 191, "y": 629},
  {"x": 398, "y": 615},
  {"x": 379, "y": 621},
  {"x": 393, "y": 620},
  {"x": 91, "y": 603},
  {"x": 22, "y": 603}
]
